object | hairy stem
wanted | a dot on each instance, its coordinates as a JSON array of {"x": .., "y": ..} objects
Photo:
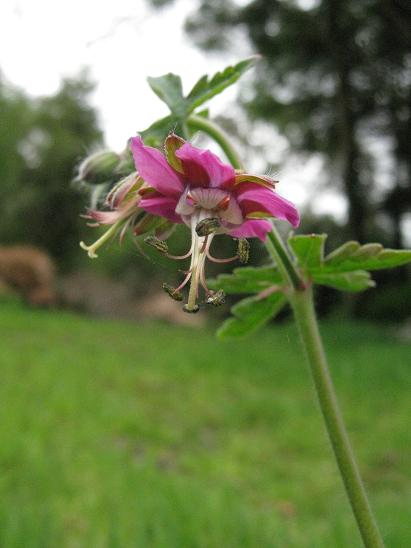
[
  {"x": 216, "y": 133},
  {"x": 281, "y": 256},
  {"x": 304, "y": 313}
]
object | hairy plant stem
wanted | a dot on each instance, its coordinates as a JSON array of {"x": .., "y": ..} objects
[
  {"x": 305, "y": 317},
  {"x": 216, "y": 133},
  {"x": 301, "y": 300}
]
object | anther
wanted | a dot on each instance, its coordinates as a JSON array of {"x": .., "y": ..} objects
[
  {"x": 158, "y": 244},
  {"x": 217, "y": 298},
  {"x": 243, "y": 250},
  {"x": 208, "y": 226},
  {"x": 172, "y": 292}
]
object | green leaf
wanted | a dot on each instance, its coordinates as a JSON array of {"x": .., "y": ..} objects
[
  {"x": 352, "y": 257},
  {"x": 340, "y": 254},
  {"x": 156, "y": 134},
  {"x": 170, "y": 90},
  {"x": 355, "y": 281},
  {"x": 346, "y": 268},
  {"x": 251, "y": 314},
  {"x": 308, "y": 249},
  {"x": 247, "y": 279},
  {"x": 206, "y": 87}
]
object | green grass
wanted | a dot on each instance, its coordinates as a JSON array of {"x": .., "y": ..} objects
[{"x": 126, "y": 435}]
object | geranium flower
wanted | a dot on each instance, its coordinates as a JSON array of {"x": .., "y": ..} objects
[{"x": 193, "y": 186}]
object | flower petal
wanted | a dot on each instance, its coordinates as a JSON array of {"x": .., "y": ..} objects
[
  {"x": 163, "y": 206},
  {"x": 154, "y": 169},
  {"x": 233, "y": 213},
  {"x": 203, "y": 168},
  {"x": 252, "y": 229},
  {"x": 260, "y": 201},
  {"x": 106, "y": 217}
]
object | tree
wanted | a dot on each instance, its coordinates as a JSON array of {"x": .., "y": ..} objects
[
  {"x": 332, "y": 72},
  {"x": 49, "y": 136}
]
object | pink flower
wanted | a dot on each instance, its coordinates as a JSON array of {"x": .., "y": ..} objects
[{"x": 194, "y": 187}]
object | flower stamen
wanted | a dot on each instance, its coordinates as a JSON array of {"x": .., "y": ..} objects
[{"x": 91, "y": 249}]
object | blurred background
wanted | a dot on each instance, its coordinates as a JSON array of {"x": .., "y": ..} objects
[{"x": 139, "y": 429}]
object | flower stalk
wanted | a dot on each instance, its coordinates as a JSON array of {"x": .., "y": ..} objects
[{"x": 305, "y": 317}]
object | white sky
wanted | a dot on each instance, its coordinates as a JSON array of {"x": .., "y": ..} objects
[{"x": 122, "y": 43}]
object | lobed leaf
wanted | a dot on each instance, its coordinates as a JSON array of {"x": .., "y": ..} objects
[
  {"x": 355, "y": 281},
  {"x": 250, "y": 314},
  {"x": 206, "y": 87},
  {"x": 346, "y": 268},
  {"x": 366, "y": 257},
  {"x": 342, "y": 253},
  {"x": 308, "y": 249},
  {"x": 156, "y": 134},
  {"x": 247, "y": 279},
  {"x": 170, "y": 90}
]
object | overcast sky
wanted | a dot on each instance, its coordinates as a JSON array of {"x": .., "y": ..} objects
[{"x": 122, "y": 43}]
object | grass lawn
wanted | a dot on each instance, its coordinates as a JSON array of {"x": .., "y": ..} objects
[{"x": 125, "y": 435}]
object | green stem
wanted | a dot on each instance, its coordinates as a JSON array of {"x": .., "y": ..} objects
[
  {"x": 304, "y": 313},
  {"x": 279, "y": 252},
  {"x": 216, "y": 133}
]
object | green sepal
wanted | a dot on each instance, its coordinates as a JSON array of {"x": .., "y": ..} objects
[
  {"x": 250, "y": 314},
  {"x": 247, "y": 279}
]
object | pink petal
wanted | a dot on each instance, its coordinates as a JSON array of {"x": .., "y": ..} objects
[
  {"x": 233, "y": 213},
  {"x": 154, "y": 169},
  {"x": 162, "y": 206},
  {"x": 252, "y": 229},
  {"x": 255, "y": 199},
  {"x": 203, "y": 168},
  {"x": 105, "y": 217}
]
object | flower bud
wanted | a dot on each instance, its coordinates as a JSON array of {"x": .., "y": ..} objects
[
  {"x": 208, "y": 226},
  {"x": 99, "y": 167}
]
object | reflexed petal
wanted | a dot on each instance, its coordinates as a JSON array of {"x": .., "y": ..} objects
[
  {"x": 252, "y": 229},
  {"x": 163, "y": 206},
  {"x": 154, "y": 169},
  {"x": 105, "y": 217},
  {"x": 203, "y": 168},
  {"x": 260, "y": 200}
]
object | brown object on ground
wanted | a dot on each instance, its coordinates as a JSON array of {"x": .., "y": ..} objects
[
  {"x": 100, "y": 295},
  {"x": 30, "y": 272}
]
